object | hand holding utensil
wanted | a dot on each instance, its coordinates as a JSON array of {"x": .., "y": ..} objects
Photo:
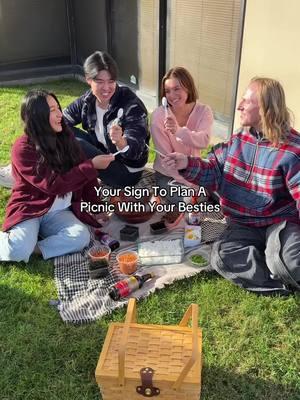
[
  {"x": 102, "y": 161},
  {"x": 121, "y": 151},
  {"x": 117, "y": 120},
  {"x": 119, "y": 116}
]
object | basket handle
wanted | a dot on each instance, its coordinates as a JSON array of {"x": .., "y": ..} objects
[
  {"x": 191, "y": 312},
  {"x": 130, "y": 317}
]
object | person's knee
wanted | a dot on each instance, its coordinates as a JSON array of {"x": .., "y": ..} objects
[
  {"x": 282, "y": 251},
  {"x": 81, "y": 236},
  {"x": 19, "y": 251},
  {"x": 19, "y": 242},
  {"x": 85, "y": 236}
]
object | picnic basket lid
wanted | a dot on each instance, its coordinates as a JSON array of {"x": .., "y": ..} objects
[{"x": 173, "y": 352}]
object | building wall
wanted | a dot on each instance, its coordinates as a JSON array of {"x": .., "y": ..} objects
[
  {"x": 33, "y": 30},
  {"x": 148, "y": 43},
  {"x": 270, "y": 48},
  {"x": 124, "y": 39},
  {"x": 90, "y": 27}
]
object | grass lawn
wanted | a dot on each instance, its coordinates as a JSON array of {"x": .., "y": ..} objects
[{"x": 251, "y": 344}]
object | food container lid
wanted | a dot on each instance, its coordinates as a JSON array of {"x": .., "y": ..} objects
[{"x": 166, "y": 251}]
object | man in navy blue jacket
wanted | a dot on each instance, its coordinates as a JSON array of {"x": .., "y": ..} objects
[{"x": 112, "y": 117}]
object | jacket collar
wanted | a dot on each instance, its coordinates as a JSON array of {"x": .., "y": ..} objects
[{"x": 258, "y": 135}]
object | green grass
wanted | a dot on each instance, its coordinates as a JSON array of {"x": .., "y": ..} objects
[{"x": 250, "y": 343}]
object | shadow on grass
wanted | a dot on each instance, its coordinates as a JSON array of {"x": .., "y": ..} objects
[
  {"x": 14, "y": 303},
  {"x": 42, "y": 358},
  {"x": 219, "y": 384},
  {"x": 48, "y": 359},
  {"x": 35, "y": 266}
]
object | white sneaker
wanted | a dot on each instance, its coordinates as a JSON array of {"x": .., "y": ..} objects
[{"x": 6, "y": 178}]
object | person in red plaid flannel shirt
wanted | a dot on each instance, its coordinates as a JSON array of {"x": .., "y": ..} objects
[{"x": 257, "y": 176}]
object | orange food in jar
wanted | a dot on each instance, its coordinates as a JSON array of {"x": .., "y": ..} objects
[
  {"x": 100, "y": 253},
  {"x": 127, "y": 262}
]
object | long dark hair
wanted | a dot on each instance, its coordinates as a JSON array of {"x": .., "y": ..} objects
[{"x": 58, "y": 150}]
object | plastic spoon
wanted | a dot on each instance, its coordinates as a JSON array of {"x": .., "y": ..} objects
[
  {"x": 121, "y": 151},
  {"x": 117, "y": 120},
  {"x": 164, "y": 103},
  {"x": 119, "y": 116},
  {"x": 156, "y": 151}
]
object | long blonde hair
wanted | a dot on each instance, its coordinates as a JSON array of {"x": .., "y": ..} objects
[{"x": 275, "y": 116}]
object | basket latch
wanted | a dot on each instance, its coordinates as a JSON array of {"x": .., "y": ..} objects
[{"x": 147, "y": 389}]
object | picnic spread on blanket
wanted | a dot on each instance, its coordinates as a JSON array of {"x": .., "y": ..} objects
[{"x": 115, "y": 261}]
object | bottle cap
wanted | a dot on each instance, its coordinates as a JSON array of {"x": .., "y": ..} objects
[{"x": 114, "y": 294}]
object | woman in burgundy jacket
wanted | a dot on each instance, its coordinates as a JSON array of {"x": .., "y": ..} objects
[{"x": 52, "y": 177}]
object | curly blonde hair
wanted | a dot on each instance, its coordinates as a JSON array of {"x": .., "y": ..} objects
[{"x": 275, "y": 116}]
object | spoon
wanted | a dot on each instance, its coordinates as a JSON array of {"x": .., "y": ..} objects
[
  {"x": 121, "y": 151},
  {"x": 117, "y": 120},
  {"x": 156, "y": 151},
  {"x": 164, "y": 103},
  {"x": 119, "y": 115}
]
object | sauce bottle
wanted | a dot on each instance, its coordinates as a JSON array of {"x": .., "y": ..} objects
[
  {"x": 125, "y": 287},
  {"x": 106, "y": 239}
]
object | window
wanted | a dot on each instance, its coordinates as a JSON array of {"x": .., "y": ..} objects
[{"x": 204, "y": 36}]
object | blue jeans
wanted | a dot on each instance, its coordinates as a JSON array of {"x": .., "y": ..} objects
[{"x": 56, "y": 233}]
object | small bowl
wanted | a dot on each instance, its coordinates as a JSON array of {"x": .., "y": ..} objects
[
  {"x": 100, "y": 253},
  {"x": 197, "y": 259},
  {"x": 127, "y": 261}
]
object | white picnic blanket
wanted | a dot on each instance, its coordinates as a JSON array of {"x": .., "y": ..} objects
[{"x": 82, "y": 299}]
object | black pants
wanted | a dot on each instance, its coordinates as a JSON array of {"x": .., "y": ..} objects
[
  {"x": 116, "y": 174},
  {"x": 262, "y": 260}
]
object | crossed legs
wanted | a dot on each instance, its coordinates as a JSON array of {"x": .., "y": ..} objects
[{"x": 262, "y": 260}]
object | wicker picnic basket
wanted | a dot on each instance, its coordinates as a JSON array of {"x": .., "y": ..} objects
[{"x": 151, "y": 360}]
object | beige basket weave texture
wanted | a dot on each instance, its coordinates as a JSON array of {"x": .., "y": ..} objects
[{"x": 170, "y": 355}]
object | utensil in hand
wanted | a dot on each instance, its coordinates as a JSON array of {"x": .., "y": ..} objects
[
  {"x": 156, "y": 151},
  {"x": 117, "y": 120},
  {"x": 119, "y": 116},
  {"x": 164, "y": 103},
  {"x": 121, "y": 151}
]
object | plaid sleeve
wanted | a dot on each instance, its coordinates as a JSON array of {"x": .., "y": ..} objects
[
  {"x": 293, "y": 181},
  {"x": 207, "y": 173}
]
